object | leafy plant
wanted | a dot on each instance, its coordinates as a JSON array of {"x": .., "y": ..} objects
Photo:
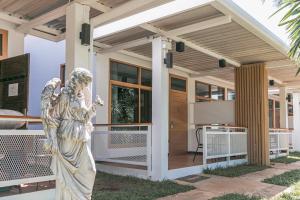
[{"x": 291, "y": 22}]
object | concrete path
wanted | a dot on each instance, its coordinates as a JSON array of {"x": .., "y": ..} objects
[{"x": 247, "y": 184}]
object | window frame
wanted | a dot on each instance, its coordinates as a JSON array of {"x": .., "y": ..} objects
[
  {"x": 138, "y": 86},
  {"x": 202, "y": 98},
  {"x": 4, "y": 44}
]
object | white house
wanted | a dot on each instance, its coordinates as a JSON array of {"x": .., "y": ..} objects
[{"x": 202, "y": 84}]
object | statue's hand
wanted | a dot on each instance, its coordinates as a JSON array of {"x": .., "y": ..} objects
[{"x": 99, "y": 101}]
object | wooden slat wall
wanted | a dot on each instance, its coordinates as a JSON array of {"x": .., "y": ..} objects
[{"x": 252, "y": 110}]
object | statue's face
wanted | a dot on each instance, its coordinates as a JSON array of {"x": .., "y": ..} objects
[{"x": 81, "y": 86}]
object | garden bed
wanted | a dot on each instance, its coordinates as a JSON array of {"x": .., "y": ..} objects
[
  {"x": 112, "y": 187},
  {"x": 235, "y": 171}
]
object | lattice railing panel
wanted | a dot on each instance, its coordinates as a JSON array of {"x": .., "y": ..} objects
[{"x": 23, "y": 157}]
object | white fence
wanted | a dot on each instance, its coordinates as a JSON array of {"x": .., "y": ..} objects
[
  {"x": 123, "y": 144},
  {"x": 223, "y": 142},
  {"x": 22, "y": 157},
  {"x": 280, "y": 142}
]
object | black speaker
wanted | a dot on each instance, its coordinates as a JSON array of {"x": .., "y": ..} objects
[
  {"x": 289, "y": 98},
  {"x": 271, "y": 82},
  {"x": 180, "y": 46},
  {"x": 222, "y": 63},
  {"x": 169, "y": 60},
  {"x": 85, "y": 34}
]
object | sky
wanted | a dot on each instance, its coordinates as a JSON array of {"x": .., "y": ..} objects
[{"x": 262, "y": 12}]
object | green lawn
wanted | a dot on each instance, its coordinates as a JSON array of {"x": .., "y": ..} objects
[
  {"x": 294, "y": 195},
  {"x": 234, "y": 196},
  {"x": 292, "y": 157},
  {"x": 286, "y": 179},
  {"x": 235, "y": 171},
  {"x": 112, "y": 187}
]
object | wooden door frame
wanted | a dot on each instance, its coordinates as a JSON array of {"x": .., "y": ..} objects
[{"x": 182, "y": 92}]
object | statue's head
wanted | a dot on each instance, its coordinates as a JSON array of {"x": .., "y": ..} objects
[{"x": 80, "y": 78}]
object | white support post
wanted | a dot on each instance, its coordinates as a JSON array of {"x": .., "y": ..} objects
[
  {"x": 160, "y": 110},
  {"x": 229, "y": 144},
  {"x": 204, "y": 135},
  {"x": 149, "y": 151},
  {"x": 283, "y": 108},
  {"x": 296, "y": 120},
  {"x": 77, "y": 55}
]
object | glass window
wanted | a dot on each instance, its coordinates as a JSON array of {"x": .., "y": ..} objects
[
  {"x": 146, "y": 77},
  {"x": 146, "y": 106},
  {"x": 217, "y": 93},
  {"x": 290, "y": 108},
  {"x": 124, "y": 105},
  {"x": 178, "y": 84},
  {"x": 271, "y": 114},
  {"x": 230, "y": 94},
  {"x": 277, "y": 114},
  {"x": 202, "y": 90},
  {"x": 123, "y": 72}
]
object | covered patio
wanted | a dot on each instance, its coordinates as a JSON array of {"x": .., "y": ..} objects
[
  {"x": 187, "y": 109},
  {"x": 212, "y": 31}
]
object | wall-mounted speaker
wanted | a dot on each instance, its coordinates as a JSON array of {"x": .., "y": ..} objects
[
  {"x": 169, "y": 60},
  {"x": 180, "y": 46},
  {"x": 271, "y": 82},
  {"x": 222, "y": 63},
  {"x": 289, "y": 98},
  {"x": 85, "y": 34}
]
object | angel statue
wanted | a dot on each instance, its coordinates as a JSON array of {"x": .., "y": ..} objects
[{"x": 66, "y": 117}]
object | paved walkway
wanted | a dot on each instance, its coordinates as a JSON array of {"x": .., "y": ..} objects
[{"x": 247, "y": 184}]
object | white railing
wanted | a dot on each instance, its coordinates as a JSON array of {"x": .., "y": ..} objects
[
  {"x": 123, "y": 144},
  {"x": 223, "y": 142},
  {"x": 279, "y": 141},
  {"x": 22, "y": 157}
]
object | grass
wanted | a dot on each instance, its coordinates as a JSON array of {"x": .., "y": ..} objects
[
  {"x": 286, "y": 179},
  {"x": 235, "y": 196},
  {"x": 292, "y": 157},
  {"x": 112, "y": 187},
  {"x": 294, "y": 195},
  {"x": 235, "y": 171}
]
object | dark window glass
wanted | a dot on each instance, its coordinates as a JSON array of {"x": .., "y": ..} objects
[
  {"x": 178, "y": 84},
  {"x": 271, "y": 114},
  {"x": 277, "y": 114},
  {"x": 217, "y": 93},
  {"x": 146, "y": 77},
  {"x": 146, "y": 106},
  {"x": 124, "y": 105},
  {"x": 290, "y": 108},
  {"x": 202, "y": 90},
  {"x": 230, "y": 95},
  {"x": 123, "y": 72}
]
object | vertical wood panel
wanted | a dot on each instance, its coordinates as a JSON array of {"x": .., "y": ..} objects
[{"x": 252, "y": 109}]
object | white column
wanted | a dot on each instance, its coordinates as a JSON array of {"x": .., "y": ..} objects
[
  {"x": 160, "y": 111},
  {"x": 283, "y": 108},
  {"x": 77, "y": 55},
  {"x": 296, "y": 121}
]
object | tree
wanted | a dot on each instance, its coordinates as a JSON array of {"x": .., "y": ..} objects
[{"x": 291, "y": 22}]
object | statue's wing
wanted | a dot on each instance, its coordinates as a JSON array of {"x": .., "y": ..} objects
[{"x": 50, "y": 123}]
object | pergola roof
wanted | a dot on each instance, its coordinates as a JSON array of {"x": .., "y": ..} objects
[{"x": 217, "y": 30}]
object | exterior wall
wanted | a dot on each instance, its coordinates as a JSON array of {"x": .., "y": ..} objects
[
  {"x": 45, "y": 60},
  {"x": 15, "y": 39},
  {"x": 101, "y": 87}
]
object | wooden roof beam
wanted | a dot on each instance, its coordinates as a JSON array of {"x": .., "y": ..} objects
[
  {"x": 201, "y": 25},
  {"x": 95, "y": 4},
  {"x": 192, "y": 45},
  {"x": 43, "y": 19}
]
